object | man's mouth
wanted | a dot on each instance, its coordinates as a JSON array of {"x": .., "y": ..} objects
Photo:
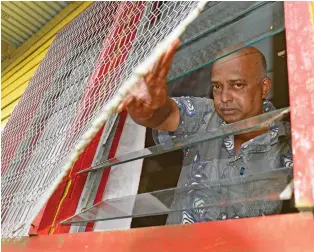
[{"x": 229, "y": 111}]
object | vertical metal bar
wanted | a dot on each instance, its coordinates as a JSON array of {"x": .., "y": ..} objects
[
  {"x": 299, "y": 21},
  {"x": 93, "y": 179}
]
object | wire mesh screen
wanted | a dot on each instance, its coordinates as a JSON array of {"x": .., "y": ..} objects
[
  {"x": 84, "y": 68},
  {"x": 219, "y": 33}
]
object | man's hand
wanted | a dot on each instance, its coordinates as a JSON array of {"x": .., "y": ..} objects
[{"x": 148, "y": 102}]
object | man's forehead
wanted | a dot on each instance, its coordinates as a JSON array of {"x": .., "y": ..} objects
[{"x": 246, "y": 53}]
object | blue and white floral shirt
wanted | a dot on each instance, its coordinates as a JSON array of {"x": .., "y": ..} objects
[{"x": 216, "y": 161}]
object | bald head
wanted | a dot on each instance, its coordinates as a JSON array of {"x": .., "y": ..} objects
[
  {"x": 240, "y": 84},
  {"x": 257, "y": 58}
]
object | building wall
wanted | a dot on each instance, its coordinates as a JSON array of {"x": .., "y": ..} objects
[{"x": 18, "y": 69}]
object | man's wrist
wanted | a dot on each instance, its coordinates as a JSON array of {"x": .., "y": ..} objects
[
  {"x": 158, "y": 117},
  {"x": 163, "y": 112}
]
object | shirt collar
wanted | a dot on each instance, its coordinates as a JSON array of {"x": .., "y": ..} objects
[{"x": 276, "y": 130}]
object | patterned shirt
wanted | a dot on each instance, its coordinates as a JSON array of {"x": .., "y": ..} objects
[{"x": 214, "y": 161}]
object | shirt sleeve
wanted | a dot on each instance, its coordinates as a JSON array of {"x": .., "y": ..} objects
[{"x": 195, "y": 114}]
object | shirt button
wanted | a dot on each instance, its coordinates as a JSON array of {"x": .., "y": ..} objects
[{"x": 242, "y": 171}]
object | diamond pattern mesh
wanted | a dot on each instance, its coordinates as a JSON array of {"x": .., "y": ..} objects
[
  {"x": 223, "y": 28},
  {"x": 83, "y": 70}
]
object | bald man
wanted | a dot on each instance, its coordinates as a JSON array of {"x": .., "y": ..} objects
[{"x": 240, "y": 86}]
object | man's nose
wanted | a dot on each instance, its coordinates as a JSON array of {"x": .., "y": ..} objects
[{"x": 226, "y": 96}]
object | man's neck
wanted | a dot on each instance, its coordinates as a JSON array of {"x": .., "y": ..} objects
[{"x": 242, "y": 138}]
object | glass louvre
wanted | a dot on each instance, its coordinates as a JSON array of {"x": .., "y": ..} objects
[
  {"x": 227, "y": 38},
  {"x": 251, "y": 124},
  {"x": 226, "y": 192}
]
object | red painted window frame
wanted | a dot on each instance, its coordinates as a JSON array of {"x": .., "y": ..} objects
[{"x": 289, "y": 232}]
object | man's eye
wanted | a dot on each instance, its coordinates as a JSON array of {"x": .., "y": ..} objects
[
  {"x": 216, "y": 87},
  {"x": 238, "y": 86}
]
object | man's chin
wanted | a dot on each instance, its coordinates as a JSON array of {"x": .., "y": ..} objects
[{"x": 231, "y": 118}]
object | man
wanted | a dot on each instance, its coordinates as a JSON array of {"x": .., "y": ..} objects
[{"x": 240, "y": 86}]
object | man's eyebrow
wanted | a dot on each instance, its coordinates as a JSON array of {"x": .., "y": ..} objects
[
  {"x": 237, "y": 80},
  {"x": 230, "y": 81},
  {"x": 215, "y": 82}
]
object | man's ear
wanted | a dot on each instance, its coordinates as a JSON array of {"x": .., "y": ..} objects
[{"x": 266, "y": 85}]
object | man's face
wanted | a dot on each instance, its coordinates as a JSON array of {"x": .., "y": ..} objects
[{"x": 239, "y": 87}]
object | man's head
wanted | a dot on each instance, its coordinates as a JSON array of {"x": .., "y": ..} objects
[{"x": 240, "y": 84}]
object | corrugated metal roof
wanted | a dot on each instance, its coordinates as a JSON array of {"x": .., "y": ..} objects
[{"x": 21, "y": 20}]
